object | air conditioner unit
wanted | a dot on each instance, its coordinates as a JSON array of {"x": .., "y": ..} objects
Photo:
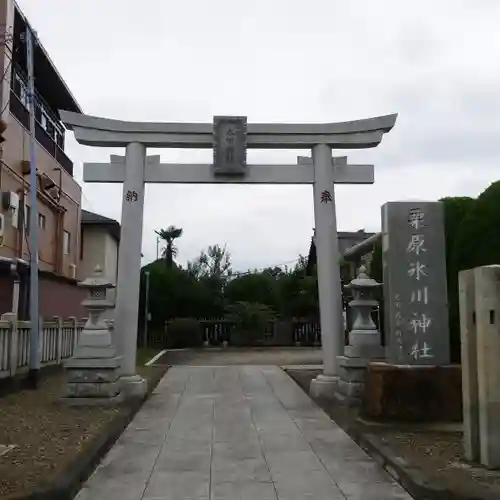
[
  {"x": 10, "y": 203},
  {"x": 46, "y": 182},
  {"x": 25, "y": 167},
  {"x": 72, "y": 271},
  {"x": 54, "y": 192}
]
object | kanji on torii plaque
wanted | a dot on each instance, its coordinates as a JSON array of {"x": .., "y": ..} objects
[{"x": 230, "y": 145}]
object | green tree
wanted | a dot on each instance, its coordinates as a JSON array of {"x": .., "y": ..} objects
[
  {"x": 477, "y": 242},
  {"x": 254, "y": 288},
  {"x": 214, "y": 263},
  {"x": 174, "y": 293},
  {"x": 250, "y": 321},
  {"x": 170, "y": 251},
  {"x": 456, "y": 210},
  {"x": 299, "y": 291},
  {"x": 212, "y": 269}
]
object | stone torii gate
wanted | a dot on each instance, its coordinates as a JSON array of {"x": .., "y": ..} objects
[{"x": 229, "y": 137}]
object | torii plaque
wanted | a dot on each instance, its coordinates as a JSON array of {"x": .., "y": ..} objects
[{"x": 230, "y": 145}]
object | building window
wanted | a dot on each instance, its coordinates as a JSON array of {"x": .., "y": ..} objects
[
  {"x": 42, "y": 221},
  {"x": 66, "y": 242}
]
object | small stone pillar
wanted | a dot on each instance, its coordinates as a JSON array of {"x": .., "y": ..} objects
[
  {"x": 92, "y": 374},
  {"x": 364, "y": 343}
]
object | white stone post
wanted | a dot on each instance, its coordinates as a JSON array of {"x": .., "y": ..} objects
[
  {"x": 468, "y": 344},
  {"x": 129, "y": 268},
  {"x": 329, "y": 286},
  {"x": 487, "y": 291},
  {"x": 11, "y": 318},
  {"x": 58, "y": 322}
]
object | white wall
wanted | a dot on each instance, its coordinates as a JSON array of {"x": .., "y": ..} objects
[{"x": 99, "y": 248}]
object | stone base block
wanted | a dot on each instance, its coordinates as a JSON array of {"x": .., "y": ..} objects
[
  {"x": 92, "y": 390},
  {"x": 92, "y": 375},
  {"x": 352, "y": 374},
  {"x": 92, "y": 363},
  {"x": 364, "y": 351},
  {"x": 351, "y": 389},
  {"x": 347, "y": 401},
  {"x": 355, "y": 363},
  {"x": 323, "y": 387},
  {"x": 413, "y": 393},
  {"x": 85, "y": 351},
  {"x": 116, "y": 400},
  {"x": 365, "y": 338},
  {"x": 133, "y": 386}
]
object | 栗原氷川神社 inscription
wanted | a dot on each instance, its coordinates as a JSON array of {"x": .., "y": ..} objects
[{"x": 415, "y": 291}]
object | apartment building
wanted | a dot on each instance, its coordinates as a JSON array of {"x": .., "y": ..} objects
[
  {"x": 346, "y": 240},
  {"x": 99, "y": 243},
  {"x": 59, "y": 195}
]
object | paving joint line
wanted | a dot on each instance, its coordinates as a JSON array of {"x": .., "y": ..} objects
[
  {"x": 299, "y": 429},
  {"x": 166, "y": 435},
  {"x": 261, "y": 445}
]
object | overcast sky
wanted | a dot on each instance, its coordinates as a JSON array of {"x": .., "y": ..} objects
[{"x": 436, "y": 63}]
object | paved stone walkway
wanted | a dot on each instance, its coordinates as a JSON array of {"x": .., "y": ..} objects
[{"x": 235, "y": 433}]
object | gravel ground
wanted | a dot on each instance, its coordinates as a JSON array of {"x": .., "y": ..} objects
[
  {"x": 47, "y": 436},
  {"x": 438, "y": 454}
]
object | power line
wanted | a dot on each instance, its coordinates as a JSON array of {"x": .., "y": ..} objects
[{"x": 244, "y": 273}]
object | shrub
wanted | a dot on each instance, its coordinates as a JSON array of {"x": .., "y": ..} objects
[
  {"x": 250, "y": 320},
  {"x": 184, "y": 332}
]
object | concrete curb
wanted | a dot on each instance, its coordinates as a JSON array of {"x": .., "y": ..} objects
[
  {"x": 156, "y": 358},
  {"x": 410, "y": 478},
  {"x": 71, "y": 479}
]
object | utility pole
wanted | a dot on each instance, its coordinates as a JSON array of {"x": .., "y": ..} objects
[
  {"x": 146, "y": 308},
  {"x": 34, "y": 357},
  {"x": 157, "y": 247}
]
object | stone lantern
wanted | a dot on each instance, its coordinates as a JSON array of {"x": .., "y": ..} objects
[
  {"x": 364, "y": 341},
  {"x": 92, "y": 373}
]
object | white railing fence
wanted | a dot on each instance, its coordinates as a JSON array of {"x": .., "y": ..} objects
[{"x": 58, "y": 340}]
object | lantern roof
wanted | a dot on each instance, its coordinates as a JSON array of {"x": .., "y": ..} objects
[
  {"x": 362, "y": 280},
  {"x": 97, "y": 280}
]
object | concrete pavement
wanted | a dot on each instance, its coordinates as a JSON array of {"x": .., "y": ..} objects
[{"x": 235, "y": 433}]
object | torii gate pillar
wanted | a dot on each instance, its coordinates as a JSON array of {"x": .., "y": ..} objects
[
  {"x": 329, "y": 288},
  {"x": 129, "y": 268}
]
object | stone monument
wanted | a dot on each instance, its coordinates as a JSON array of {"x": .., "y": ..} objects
[
  {"x": 415, "y": 290},
  {"x": 92, "y": 374},
  {"x": 364, "y": 343},
  {"x": 480, "y": 334}
]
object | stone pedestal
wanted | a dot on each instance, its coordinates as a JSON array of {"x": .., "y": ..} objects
[
  {"x": 364, "y": 340},
  {"x": 411, "y": 393},
  {"x": 92, "y": 374},
  {"x": 323, "y": 387}
]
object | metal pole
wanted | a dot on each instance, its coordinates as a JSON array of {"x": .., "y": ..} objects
[
  {"x": 34, "y": 358},
  {"x": 157, "y": 247},
  {"x": 146, "y": 308}
]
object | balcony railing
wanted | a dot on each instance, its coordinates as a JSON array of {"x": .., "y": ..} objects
[{"x": 18, "y": 107}]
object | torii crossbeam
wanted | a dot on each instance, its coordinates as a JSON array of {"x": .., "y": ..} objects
[
  {"x": 135, "y": 169},
  {"x": 201, "y": 173}
]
